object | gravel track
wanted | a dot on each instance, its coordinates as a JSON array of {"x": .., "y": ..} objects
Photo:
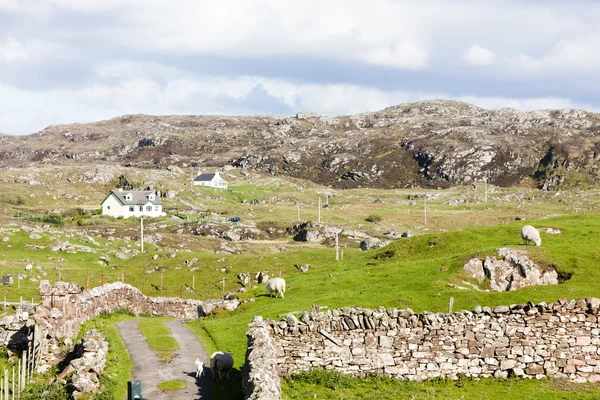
[{"x": 148, "y": 368}]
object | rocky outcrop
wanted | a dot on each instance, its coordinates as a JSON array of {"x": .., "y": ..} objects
[
  {"x": 512, "y": 272},
  {"x": 372, "y": 243},
  {"x": 432, "y": 143}
]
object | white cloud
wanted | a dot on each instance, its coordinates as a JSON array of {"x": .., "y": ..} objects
[
  {"x": 479, "y": 55},
  {"x": 11, "y": 50},
  {"x": 14, "y": 51},
  {"x": 23, "y": 112},
  {"x": 574, "y": 56},
  {"x": 404, "y": 54}
]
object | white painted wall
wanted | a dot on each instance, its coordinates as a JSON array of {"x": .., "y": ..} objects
[
  {"x": 216, "y": 182},
  {"x": 114, "y": 208}
]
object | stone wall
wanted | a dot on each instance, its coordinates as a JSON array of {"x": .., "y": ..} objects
[
  {"x": 65, "y": 306},
  {"x": 68, "y": 305},
  {"x": 260, "y": 375},
  {"x": 560, "y": 340}
]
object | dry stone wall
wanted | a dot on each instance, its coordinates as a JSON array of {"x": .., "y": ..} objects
[
  {"x": 260, "y": 376},
  {"x": 65, "y": 306},
  {"x": 68, "y": 306},
  {"x": 560, "y": 340}
]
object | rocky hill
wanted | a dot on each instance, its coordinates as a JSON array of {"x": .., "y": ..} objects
[{"x": 429, "y": 143}]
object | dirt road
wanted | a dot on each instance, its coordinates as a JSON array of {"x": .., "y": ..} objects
[{"x": 148, "y": 369}]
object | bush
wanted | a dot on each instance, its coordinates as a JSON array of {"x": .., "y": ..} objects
[
  {"x": 329, "y": 379},
  {"x": 15, "y": 200},
  {"x": 374, "y": 218},
  {"x": 46, "y": 391}
]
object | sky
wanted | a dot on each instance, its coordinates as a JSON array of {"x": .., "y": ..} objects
[{"x": 66, "y": 61}]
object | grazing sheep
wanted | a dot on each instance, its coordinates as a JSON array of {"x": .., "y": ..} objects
[
  {"x": 530, "y": 234},
  {"x": 222, "y": 363},
  {"x": 276, "y": 285},
  {"x": 199, "y": 368}
]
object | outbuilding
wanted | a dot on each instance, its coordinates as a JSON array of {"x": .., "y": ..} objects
[{"x": 211, "y": 180}]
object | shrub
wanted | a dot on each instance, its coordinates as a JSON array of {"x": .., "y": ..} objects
[
  {"x": 329, "y": 379},
  {"x": 15, "y": 200},
  {"x": 374, "y": 218},
  {"x": 47, "y": 391}
]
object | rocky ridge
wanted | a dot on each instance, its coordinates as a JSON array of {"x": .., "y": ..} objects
[{"x": 429, "y": 143}]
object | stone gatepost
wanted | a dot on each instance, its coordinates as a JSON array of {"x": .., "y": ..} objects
[{"x": 62, "y": 296}]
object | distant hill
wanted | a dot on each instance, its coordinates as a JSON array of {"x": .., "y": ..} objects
[{"x": 430, "y": 143}]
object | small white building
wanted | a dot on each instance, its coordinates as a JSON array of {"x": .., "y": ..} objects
[
  {"x": 210, "y": 180},
  {"x": 132, "y": 203}
]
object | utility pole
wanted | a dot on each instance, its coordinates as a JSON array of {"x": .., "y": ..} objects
[
  {"x": 486, "y": 190},
  {"x": 142, "y": 232},
  {"x": 337, "y": 246},
  {"x": 319, "y": 218}
]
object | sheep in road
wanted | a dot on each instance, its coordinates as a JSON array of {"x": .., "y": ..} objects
[
  {"x": 530, "y": 234},
  {"x": 221, "y": 363},
  {"x": 276, "y": 285},
  {"x": 199, "y": 368}
]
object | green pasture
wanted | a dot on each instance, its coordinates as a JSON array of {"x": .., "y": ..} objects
[
  {"x": 452, "y": 226},
  {"x": 415, "y": 273}
]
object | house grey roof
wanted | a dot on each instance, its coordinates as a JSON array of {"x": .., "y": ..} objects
[
  {"x": 204, "y": 178},
  {"x": 138, "y": 197}
]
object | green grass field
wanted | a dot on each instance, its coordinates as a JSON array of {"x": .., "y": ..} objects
[{"x": 412, "y": 272}]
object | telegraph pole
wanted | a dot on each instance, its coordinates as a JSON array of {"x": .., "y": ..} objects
[{"x": 142, "y": 232}]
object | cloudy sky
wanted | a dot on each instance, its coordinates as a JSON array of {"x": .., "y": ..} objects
[{"x": 64, "y": 61}]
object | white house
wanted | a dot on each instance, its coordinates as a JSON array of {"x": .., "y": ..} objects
[
  {"x": 136, "y": 203},
  {"x": 211, "y": 180}
]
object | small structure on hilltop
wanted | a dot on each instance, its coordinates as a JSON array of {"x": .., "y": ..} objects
[
  {"x": 211, "y": 180},
  {"x": 136, "y": 203}
]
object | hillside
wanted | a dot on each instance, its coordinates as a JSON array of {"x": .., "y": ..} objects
[{"x": 435, "y": 143}]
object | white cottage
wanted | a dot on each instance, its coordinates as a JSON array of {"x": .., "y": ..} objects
[
  {"x": 132, "y": 203},
  {"x": 210, "y": 180}
]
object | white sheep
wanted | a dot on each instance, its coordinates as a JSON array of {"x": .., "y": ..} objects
[
  {"x": 199, "y": 368},
  {"x": 276, "y": 285},
  {"x": 530, "y": 234},
  {"x": 222, "y": 363}
]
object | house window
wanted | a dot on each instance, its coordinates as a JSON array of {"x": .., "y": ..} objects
[
  {"x": 156, "y": 208},
  {"x": 148, "y": 208},
  {"x": 108, "y": 207},
  {"x": 141, "y": 208},
  {"x": 131, "y": 208}
]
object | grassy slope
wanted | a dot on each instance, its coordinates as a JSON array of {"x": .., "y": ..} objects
[{"x": 416, "y": 276}]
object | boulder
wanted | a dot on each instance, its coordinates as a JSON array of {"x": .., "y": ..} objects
[
  {"x": 302, "y": 267},
  {"x": 231, "y": 235},
  {"x": 512, "y": 272},
  {"x": 474, "y": 268},
  {"x": 7, "y": 280},
  {"x": 244, "y": 277},
  {"x": 372, "y": 243}
]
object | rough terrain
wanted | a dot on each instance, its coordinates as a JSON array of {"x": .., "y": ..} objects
[{"x": 436, "y": 143}]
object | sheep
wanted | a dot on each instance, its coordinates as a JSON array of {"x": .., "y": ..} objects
[
  {"x": 276, "y": 285},
  {"x": 199, "y": 368},
  {"x": 530, "y": 234},
  {"x": 222, "y": 363}
]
